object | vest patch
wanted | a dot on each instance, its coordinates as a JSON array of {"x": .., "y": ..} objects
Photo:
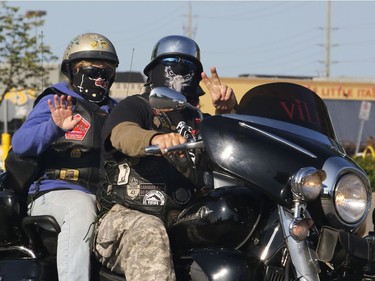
[
  {"x": 154, "y": 198},
  {"x": 79, "y": 131},
  {"x": 133, "y": 188},
  {"x": 156, "y": 122},
  {"x": 124, "y": 172}
]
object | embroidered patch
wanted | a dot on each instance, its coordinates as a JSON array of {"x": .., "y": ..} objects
[
  {"x": 154, "y": 197},
  {"x": 123, "y": 175},
  {"x": 156, "y": 122},
  {"x": 76, "y": 153},
  {"x": 141, "y": 191},
  {"x": 79, "y": 131},
  {"x": 133, "y": 188}
]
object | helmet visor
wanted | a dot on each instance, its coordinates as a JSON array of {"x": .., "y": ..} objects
[
  {"x": 96, "y": 72},
  {"x": 173, "y": 61}
]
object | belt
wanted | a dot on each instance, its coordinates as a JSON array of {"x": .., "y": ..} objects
[{"x": 63, "y": 174}]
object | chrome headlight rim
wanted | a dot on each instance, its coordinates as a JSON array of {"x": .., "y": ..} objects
[
  {"x": 307, "y": 183},
  {"x": 346, "y": 217}
]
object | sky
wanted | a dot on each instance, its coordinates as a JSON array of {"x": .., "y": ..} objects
[{"x": 238, "y": 37}]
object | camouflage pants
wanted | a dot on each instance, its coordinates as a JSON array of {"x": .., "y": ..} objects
[{"x": 135, "y": 244}]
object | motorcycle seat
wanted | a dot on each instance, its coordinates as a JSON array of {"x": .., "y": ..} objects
[
  {"x": 48, "y": 223},
  {"x": 42, "y": 233}
]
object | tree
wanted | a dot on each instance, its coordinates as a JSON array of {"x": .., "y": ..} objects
[{"x": 23, "y": 59}]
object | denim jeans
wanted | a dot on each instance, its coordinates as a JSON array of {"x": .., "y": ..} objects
[{"x": 74, "y": 211}]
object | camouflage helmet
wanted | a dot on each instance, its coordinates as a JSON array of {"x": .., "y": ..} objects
[
  {"x": 88, "y": 46},
  {"x": 174, "y": 45}
]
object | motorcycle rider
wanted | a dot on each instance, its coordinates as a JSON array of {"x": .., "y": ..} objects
[
  {"x": 145, "y": 192},
  {"x": 64, "y": 130}
]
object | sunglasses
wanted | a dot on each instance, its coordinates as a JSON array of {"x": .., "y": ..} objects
[
  {"x": 173, "y": 61},
  {"x": 96, "y": 72}
]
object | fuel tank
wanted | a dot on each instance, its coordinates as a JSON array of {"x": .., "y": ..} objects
[{"x": 224, "y": 218}]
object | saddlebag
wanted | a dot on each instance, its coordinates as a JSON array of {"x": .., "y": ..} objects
[
  {"x": 345, "y": 249},
  {"x": 21, "y": 172},
  {"x": 19, "y": 269}
]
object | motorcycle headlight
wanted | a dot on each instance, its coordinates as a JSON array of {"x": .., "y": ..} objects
[
  {"x": 350, "y": 198},
  {"x": 307, "y": 183}
]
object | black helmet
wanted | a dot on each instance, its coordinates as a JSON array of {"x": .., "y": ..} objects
[
  {"x": 176, "y": 45},
  {"x": 88, "y": 46}
]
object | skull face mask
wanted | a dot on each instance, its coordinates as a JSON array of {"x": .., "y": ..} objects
[
  {"x": 181, "y": 77},
  {"x": 93, "y": 83}
]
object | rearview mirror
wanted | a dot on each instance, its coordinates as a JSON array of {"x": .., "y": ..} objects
[{"x": 163, "y": 98}]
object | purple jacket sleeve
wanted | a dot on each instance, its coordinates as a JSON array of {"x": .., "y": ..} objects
[{"x": 38, "y": 131}]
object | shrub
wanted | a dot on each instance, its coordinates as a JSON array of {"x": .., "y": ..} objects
[{"x": 368, "y": 165}]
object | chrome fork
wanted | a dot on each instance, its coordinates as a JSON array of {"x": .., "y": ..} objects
[{"x": 304, "y": 259}]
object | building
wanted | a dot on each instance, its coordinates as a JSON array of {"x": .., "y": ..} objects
[
  {"x": 127, "y": 84},
  {"x": 343, "y": 97}
]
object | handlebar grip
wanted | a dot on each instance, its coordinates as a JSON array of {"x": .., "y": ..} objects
[
  {"x": 155, "y": 149},
  {"x": 152, "y": 149}
]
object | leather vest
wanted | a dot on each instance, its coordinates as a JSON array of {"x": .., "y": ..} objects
[
  {"x": 78, "y": 151},
  {"x": 150, "y": 184}
]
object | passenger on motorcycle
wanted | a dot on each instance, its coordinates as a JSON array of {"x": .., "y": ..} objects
[
  {"x": 64, "y": 130},
  {"x": 144, "y": 193}
]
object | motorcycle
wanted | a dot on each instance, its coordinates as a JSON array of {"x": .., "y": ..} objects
[
  {"x": 285, "y": 201},
  {"x": 282, "y": 199}
]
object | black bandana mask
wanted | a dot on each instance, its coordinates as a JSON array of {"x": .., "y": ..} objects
[
  {"x": 92, "y": 89},
  {"x": 180, "y": 78}
]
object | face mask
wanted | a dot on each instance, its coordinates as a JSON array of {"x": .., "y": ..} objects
[
  {"x": 180, "y": 77},
  {"x": 93, "y": 83}
]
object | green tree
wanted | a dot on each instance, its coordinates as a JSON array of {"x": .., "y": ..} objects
[{"x": 23, "y": 58}]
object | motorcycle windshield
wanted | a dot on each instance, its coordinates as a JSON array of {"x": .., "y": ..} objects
[
  {"x": 290, "y": 103},
  {"x": 286, "y": 127}
]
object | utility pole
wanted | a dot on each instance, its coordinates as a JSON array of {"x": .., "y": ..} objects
[
  {"x": 189, "y": 29},
  {"x": 328, "y": 39}
]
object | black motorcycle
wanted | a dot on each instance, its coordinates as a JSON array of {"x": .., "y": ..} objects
[
  {"x": 282, "y": 199},
  {"x": 285, "y": 201}
]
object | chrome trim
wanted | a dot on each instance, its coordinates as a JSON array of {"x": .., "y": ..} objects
[
  {"x": 298, "y": 186},
  {"x": 265, "y": 253},
  {"x": 289, "y": 127},
  {"x": 21, "y": 249},
  {"x": 306, "y": 266},
  {"x": 274, "y": 137},
  {"x": 335, "y": 167}
]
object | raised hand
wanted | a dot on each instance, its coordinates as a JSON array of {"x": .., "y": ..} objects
[
  {"x": 62, "y": 113},
  {"x": 223, "y": 97}
]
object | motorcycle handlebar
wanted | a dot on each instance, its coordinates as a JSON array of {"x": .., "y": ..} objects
[{"x": 154, "y": 149}]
